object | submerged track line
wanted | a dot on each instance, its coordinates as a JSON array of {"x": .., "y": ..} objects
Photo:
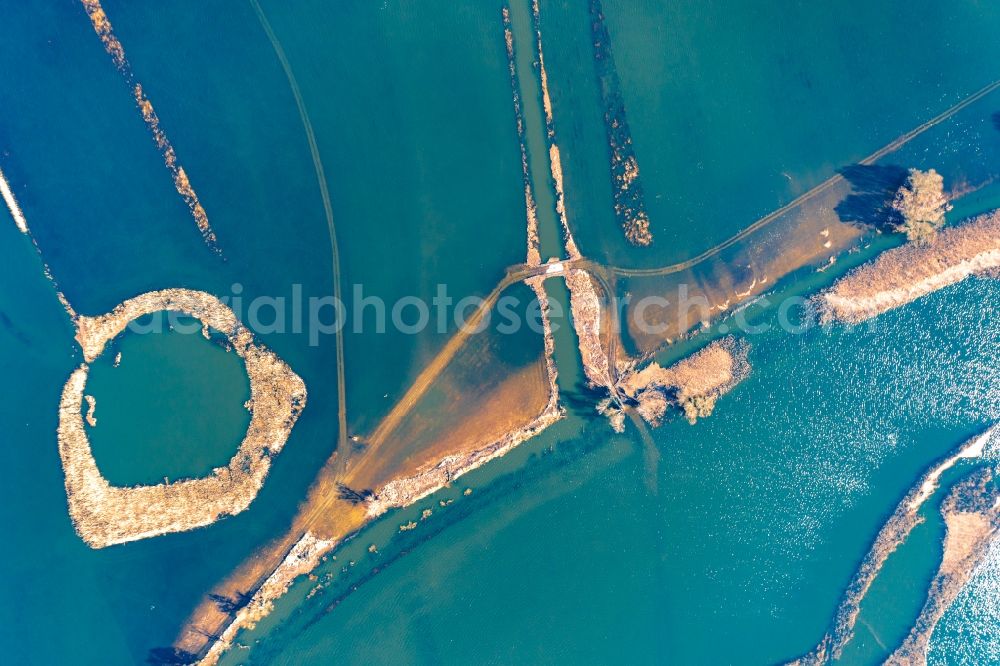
[
  {"x": 406, "y": 404},
  {"x": 801, "y": 199},
  {"x": 327, "y": 210},
  {"x": 428, "y": 376}
]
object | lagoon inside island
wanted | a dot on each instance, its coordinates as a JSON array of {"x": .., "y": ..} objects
[
  {"x": 105, "y": 515},
  {"x": 740, "y": 390}
]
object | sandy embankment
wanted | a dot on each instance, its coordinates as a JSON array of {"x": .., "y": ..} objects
[
  {"x": 301, "y": 559},
  {"x": 971, "y": 514},
  {"x": 555, "y": 159},
  {"x": 585, "y": 304},
  {"x": 102, "y": 27},
  {"x": 404, "y": 491},
  {"x": 694, "y": 384},
  {"x": 705, "y": 288},
  {"x": 305, "y": 554},
  {"x": 15, "y": 210},
  {"x": 534, "y": 254},
  {"x": 902, "y": 275},
  {"x": 892, "y": 535},
  {"x": 104, "y": 514}
]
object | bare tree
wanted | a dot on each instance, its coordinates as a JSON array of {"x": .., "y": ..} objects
[{"x": 922, "y": 203}]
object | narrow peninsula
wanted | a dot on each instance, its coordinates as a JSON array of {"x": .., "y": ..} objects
[{"x": 904, "y": 274}]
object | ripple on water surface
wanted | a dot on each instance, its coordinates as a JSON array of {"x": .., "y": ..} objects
[{"x": 741, "y": 555}]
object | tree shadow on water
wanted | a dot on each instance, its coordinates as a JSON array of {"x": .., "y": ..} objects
[
  {"x": 873, "y": 187},
  {"x": 996, "y": 120}
]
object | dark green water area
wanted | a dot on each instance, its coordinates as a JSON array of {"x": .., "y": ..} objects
[{"x": 563, "y": 552}]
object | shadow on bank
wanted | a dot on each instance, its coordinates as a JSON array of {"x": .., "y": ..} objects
[{"x": 872, "y": 190}]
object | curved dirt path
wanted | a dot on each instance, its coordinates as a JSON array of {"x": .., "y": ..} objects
[{"x": 327, "y": 210}]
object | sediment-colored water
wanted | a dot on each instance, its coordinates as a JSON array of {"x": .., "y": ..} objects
[{"x": 738, "y": 551}]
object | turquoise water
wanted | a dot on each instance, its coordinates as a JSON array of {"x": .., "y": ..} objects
[
  {"x": 736, "y": 108},
  {"x": 410, "y": 188},
  {"x": 968, "y": 634},
  {"x": 154, "y": 385},
  {"x": 896, "y": 597},
  {"x": 530, "y": 94},
  {"x": 763, "y": 512},
  {"x": 415, "y": 204},
  {"x": 103, "y": 209},
  {"x": 562, "y": 553}
]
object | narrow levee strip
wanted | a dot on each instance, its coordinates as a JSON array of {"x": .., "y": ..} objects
[
  {"x": 102, "y": 26},
  {"x": 555, "y": 160},
  {"x": 892, "y": 535},
  {"x": 22, "y": 224},
  {"x": 531, "y": 210},
  {"x": 423, "y": 382},
  {"x": 814, "y": 192},
  {"x": 904, "y": 274},
  {"x": 15, "y": 209}
]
